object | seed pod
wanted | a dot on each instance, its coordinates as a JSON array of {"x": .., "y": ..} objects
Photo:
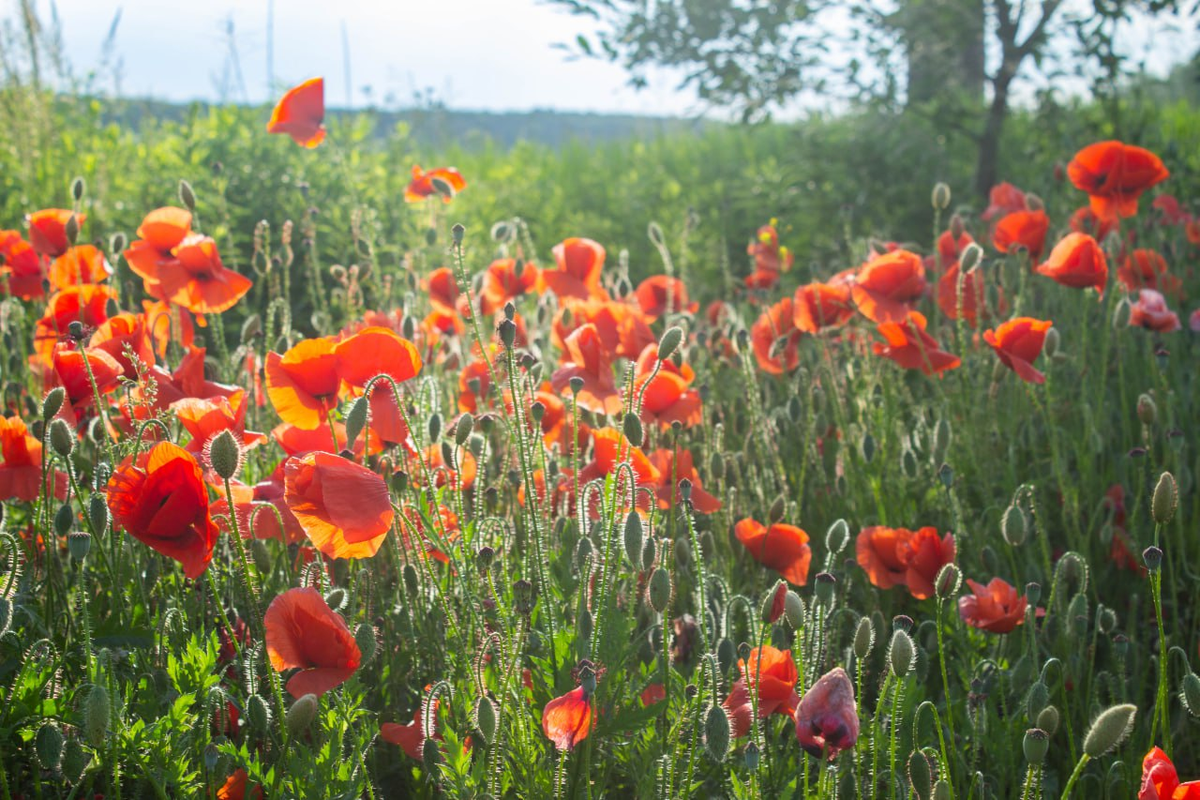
[
  {"x": 901, "y": 653},
  {"x": 659, "y": 590},
  {"x": 669, "y": 342},
  {"x": 1166, "y": 497},
  {"x": 1190, "y": 693},
  {"x": 633, "y": 538},
  {"x": 1109, "y": 729},
  {"x": 716, "y": 733},
  {"x": 52, "y": 402},
  {"x": 1047, "y": 720},
  {"x": 920, "y": 775},
  {"x": 1035, "y": 745},
  {"x": 95, "y": 715},
  {"x": 224, "y": 454},
  {"x": 259, "y": 713},
  {"x": 364, "y": 637},
  {"x": 458, "y": 231},
  {"x": 752, "y": 756},
  {"x": 485, "y": 718},
  {"x": 825, "y": 586},
  {"x": 74, "y": 760},
  {"x": 632, "y": 428},
  {"x": 79, "y": 544},
  {"x": 864, "y": 638},
  {"x": 61, "y": 438},
  {"x": 48, "y": 746},
  {"x": 356, "y": 418},
  {"x": 301, "y": 715},
  {"x": 1153, "y": 557}
]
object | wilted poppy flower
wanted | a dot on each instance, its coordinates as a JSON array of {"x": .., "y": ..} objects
[
  {"x": 411, "y": 737},
  {"x": 161, "y": 501},
  {"x": 21, "y": 472},
  {"x": 48, "y": 230},
  {"x": 1004, "y": 198},
  {"x": 20, "y": 270},
  {"x": 300, "y": 113},
  {"x": 303, "y": 632},
  {"x": 567, "y": 720},
  {"x": 343, "y": 507},
  {"x": 197, "y": 280},
  {"x": 783, "y": 548},
  {"x": 303, "y": 383},
  {"x": 1147, "y": 269},
  {"x": 1077, "y": 261},
  {"x": 775, "y": 339},
  {"x": 821, "y": 306},
  {"x": 769, "y": 258},
  {"x": 1150, "y": 311},
  {"x": 674, "y": 466},
  {"x": 503, "y": 281},
  {"x": 1114, "y": 175},
  {"x": 912, "y": 348},
  {"x": 120, "y": 332},
  {"x": 660, "y": 294},
  {"x": 827, "y": 718},
  {"x": 579, "y": 263},
  {"x": 996, "y": 607},
  {"x": 1018, "y": 342},
  {"x": 587, "y": 359},
  {"x": 1024, "y": 229},
  {"x": 446, "y": 181},
  {"x": 81, "y": 264},
  {"x": 1160, "y": 781},
  {"x": 887, "y": 285}
]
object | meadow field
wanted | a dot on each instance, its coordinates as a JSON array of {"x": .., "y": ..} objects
[{"x": 753, "y": 462}]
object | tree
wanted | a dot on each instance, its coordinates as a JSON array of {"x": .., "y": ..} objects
[{"x": 755, "y": 56}]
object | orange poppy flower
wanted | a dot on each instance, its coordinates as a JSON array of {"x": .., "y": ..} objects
[
  {"x": 1004, "y": 198},
  {"x": 996, "y": 607},
  {"x": 557, "y": 424},
  {"x": 161, "y": 231},
  {"x": 376, "y": 351},
  {"x": 973, "y": 300},
  {"x": 235, "y": 785},
  {"x": 303, "y": 383},
  {"x": 1191, "y": 230},
  {"x": 1084, "y": 220},
  {"x": 783, "y": 548},
  {"x": 879, "y": 550},
  {"x": 21, "y": 472},
  {"x": 827, "y": 717},
  {"x": 81, "y": 264},
  {"x": 204, "y": 418},
  {"x": 197, "y": 280},
  {"x": 820, "y": 307},
  {"x": 654, "y": 293},
  {"x": 1026, "y": 229},
  {"x": 446, "y": 181},
  {"x": 769, "y": 258},
  {"x": 675, "y": 466},
  {"x": 344, "y": 508},
  {"x": 1147, "y": 269},
  {"x": 652, "y": 694},
  {"x": 300, "y": 113},
  {"x": 1160, "y": 780},
  {"x": 387, "y": 425},
  {"x": 587, "y": 359},
  {"x": 567, "y": 720},
  {"x": 624, "y": 330},
  {"x": 86, "y": 304},
  {"x": 162, "y": 502},
  {"x": 48, "y": 230},
  {"x": 924, "y": 554},
  {"x": 447, "y": 526},
  {"x": 503, "y": 282},
  {"x": 912, "y": 348},
  {"x": 260, "y": 523},
  {"x": 410, "y": 737},
  {"x": 1150, "y": 311},
  {"x": 299, "y": 442},
  {"x": 951, "y": 249},
  {"x": 165, "y": 322},
  {"x": 303, "y": 632},
  {"x": 1077, "y": 261},
  {"x": 187, "y": 380},
  {"x": 777, "y": 684},
  {"x": 609, "y": 448},
  {"x": 72, "y": 372},
  {"x": 775, "y": 339},
  {"x": 579, "y": 263},
  {"x": 460, "y": 479},
  {"x": 20, "y": 269},
  {"x": 474, "y": 385},
  {"x": 887, "y": 285},
  {"x": 442, "y": 289},
  {"x": 667, "y": 397},
  {"x": 1018, "y": 342},
  {"x": 1114, "y": 175},
  {"x": 117, "y": 333}
]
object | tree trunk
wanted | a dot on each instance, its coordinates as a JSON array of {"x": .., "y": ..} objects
[
  {"x": 989, "y": 143},
  {"x": 944, "y": 43}
]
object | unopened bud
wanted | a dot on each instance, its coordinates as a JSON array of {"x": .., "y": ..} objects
[
  {"x": 633, "y": 538},
  {"x": 1190, "y": 693},
  {"x": 948, "y": 582},
  {"x": 1166, "y": 497},
  {"x": 224, "y": 454},
  {"x": 485, "y": 718},
  {"x": 508, "y": 332},
  {"x": 669, "y": 342},
  {"x": 1147, "y": 411},
  {"x": 793, "y": 609},
  {"x": 72, "y": 230},
  {"x": 1033, "y": 202},
  {"x": 301, "y": 715},
  {"x": 1109, "y": 729},
  {"x": 941, "y": 196},
  {"x": 74, "y": 760},
  {"x": 259, "y": 714},
  {"x": 659, "y": 590},
  {"x": 774, "y": 603},
  {"x": 901, "y": 653},
  {"x": 632, "y": 428},
  {"x": 716, "y": 733},
  {"x": 864, "y": 638},
  {"x": 971, "y": 255},
  {"x": 1047, "y": 720},
  {"x": 1052, "y": 343},
  {"x": 920, "y": 775},
  {"x": 1014, "y": 526},
  {"x": 364, "y": 637},
  {"x": 356, "y": 417},
  {"x": 53, "y": 402},
  {"x": 95, "y": 715}
]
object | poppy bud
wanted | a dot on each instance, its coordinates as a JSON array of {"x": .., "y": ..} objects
[
  {"x": 648, "y": 553},
  {"x": 864, "y": 638},
  {"x": 920, "y": 774},
  {"x": 485, "y": 718},
  {"x": 336, "y": 598},
  {"x": 941, "y": 790},
  {"x": 1033, "y": 202},
  {"x": 941, "y": 196},
  {"x": 669, "y": 342},
  {"x": 48, "y": 746},
  {"x": 948, "y": 581},
  {"x": 74, "y": 760},
  {"x": 1013, "y": 526},
  {"x": 752, "y": 756},
  {"x": 72, "y": 229},
  {"x": 633, "y": 538},
  {"x": 442, "y": 187},
  {"x": 726, "y": 655},
  {"x": 1109, "y": 729},
  {"x": 259, "y": 713},
  {"x": 117, "y": 243},
  {"x": 187, "y": 196},
  {"x": 1035, "y": 745},
  {"x": 825, "y": 584},
  {"x": 793, "y": 608},
  {"x": 435, "y": 427},
  {"x": 1166, "y": 497},
  {"x": 79, "y": 543},
  {"x": 775, "y": 512},
  {"x": 458, "y": 231},
  {"x": 908, "y": 463},
  {"x": 1037, "y": 699},
  {"x": 523, "y": 597},
  {"x": 224, "y": 454},
  {"x": 356, "y": 419},
  {"x": 1147, "y": 411},
  {"x": 301, "y": 715},
  {"x": 63, "y": 519},
  {"x": 683, "y": 552},
  {"x": 1033, "y": 592},
  {"x": 632, "y": 428},
  {"x": 1077, "y": 616},
  {"x": 868, "y": 448},
  {"x": 502, "y": 231},
  {"x": 659, "y": 590},
  {"x": 970, "y": 258},
  {"x": 655, "y": 232},
  {"x": 716, "y": 732},
  {"x": 1047, "y": 720},
  {"x": 586, "y": 625},
  {"x": 364, "y": 637},
  {"x": 946, "y": 475},
  {"x": 1153, "y": 557},
  {"x": 508, "y": 332},
  {"x": 95, "y": 714},
  {"x": 837, "y": 537},
  {"x": 957, "y": 226},
  {"x": 53, "y": 401},
  {"x": 774, "y": 603},
  {"x": 901, "y": 653},
  {"x": 409, "y": 327},
  {"x": 1190, "y": 693}
]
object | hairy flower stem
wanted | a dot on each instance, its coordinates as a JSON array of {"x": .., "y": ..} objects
[
  {"x": 945, "y": 685},
  {"x": 249, "y": 577},
  {"x": 1084, "y": 758},
  {"x": 1162, "y": 709}
]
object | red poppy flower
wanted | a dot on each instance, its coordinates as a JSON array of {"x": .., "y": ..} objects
[
  {"x": 818, "y": 307},
  {"x": 1084, "y": 220},
  {"x": 887, "y": 285},
  {"x": 912, "y": 348},
  {"x": 71, "y": 371},
  {"x": 610, "y": 448},
  {"x": 970, "y": 302},
  {"x": 123, "y": 331},
  {"x": 996, "y": 607},
  {"x": 1192, "y": 231},
  {"x": 783, "y": 548},
  {"x": 1160, "y": 781},
  {"x": 775, "y": 339},
  {"x": 924, "y": 553},
  {"x": 652, "y": 694},
  {"x": 410, "y": 737},
  {"x": 1172, "y": 212},
  {"x": 1150, "y": 311},
  {"x": 87, "y": 305},
  {"x": 387, "y": 425},
  {"x": 376, "y": 351},
  {"x": 667, "y": 397},
  {"x": 81, "y": 264},
  {"x": 474, "y": 386},
  {"x": 674, "y": 466},
  {"x": 197, "y": 280},
  {"x": 1004, "y": 198},
  {"x": 951, "y": 249},
  {"x": 48, "y": 230},
  {"x": 161, "y": 231},
  {"x": 557, "y": 425},
  {"x": 1114, "y": 175},
  {"x": 165, "y": 322},
  {"x": 204, "y": 418},
  {"x": 503, "y": 282},
  {"x": 162, "y": 502},
  {"x": 660, "y": 294},
  {"x": 303, "y": 383},
  {"x": 20, "y": 270},
  {"x": 443, "y": 474},
  {"x": 445, "y": 181},
  {"x": 21, "y": 472},
  {"x": 579, "y": 263},
  {"x": 300, "y": 113},
  {"x": 255, "y": 521},
  {"x": 827, "y": 718},
  {"x": 1077, "y": 261},
  {"x": 446, "y": 526},
  {"x": 235, "y": 785},
  {"x": 1018, "y": 342},
  {"x": 1026, "y": 229},
  {"x": 769, "y": 258},
  {"x": 344, "y": 508},
  {"x": 303, "y": 632},
  {"x": 587, "y": 359},
  {"x": 1147, "y": 269},
  {"x": 777, "y": 685},
  {"x": 567, "y": 720}
]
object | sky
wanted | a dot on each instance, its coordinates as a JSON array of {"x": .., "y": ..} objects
[{"x": 467, "y": 54}]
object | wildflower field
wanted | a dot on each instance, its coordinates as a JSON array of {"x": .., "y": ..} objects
[{"x": 389, "y": 495}]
